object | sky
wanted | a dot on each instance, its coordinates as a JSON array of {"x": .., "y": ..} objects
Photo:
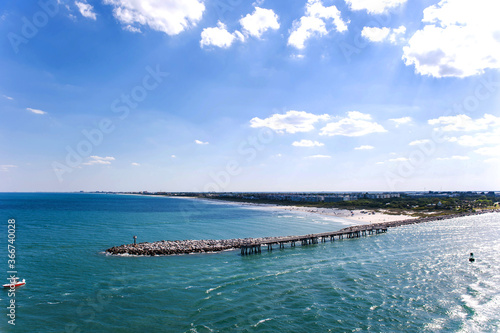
[{"x": 235, "y": 95}]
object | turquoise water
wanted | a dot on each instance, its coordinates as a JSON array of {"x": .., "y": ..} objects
[{"x": 415, "y": 278}]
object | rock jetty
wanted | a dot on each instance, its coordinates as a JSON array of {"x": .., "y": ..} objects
[
  {"x": 209, "y": 245},
  {"x": 185, "y": 246}
]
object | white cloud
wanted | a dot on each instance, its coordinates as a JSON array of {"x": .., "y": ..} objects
[
  {"x": 488, "y": 151},
  {"x": 461, "y": 38},
  {"x": 168, "y": 16},
  {"x": 254, "y": 24},
  {"x": 173, "y": 156},
  {"x": 477, "y": 139},
  {"x": 93, "y": 160},
  {"x": 401, "y": 121},
  {"x": 259, "y": 21},
  {"x": 359, "y": 115},
  {"x": 7, "y": 97},
  {"x": 86, "y": 10},
  {"x": 374, "y": 6},
  {"x": 135, "y": 164},
  {"x": 7, "y": 167},
  {"x": 456, "y": 157},
  {"x": 487, "y": 135},
  {"x": 198, "y": 142},
  {"x": 399, "y": 159},
  {"x": 375, "y": 34},
  {"x": 355, "y": 124},
  {"x": 463, "y": 122},
  {"x": 132, "y": 28},
  {"x": 364, "y": 147},
  {"x": 290, "y": 122},
  {"x": 219, "y": 36},
  {"x": 297, "y": 56},
  {"x": 313, "y": 23},
  {"x": 36, "y": 111},
  {"x": 307, "y": 143},
  {"x": 419, "y": 142},
  {"x": 319, "y": 156},
  {"x": 393, "y": 37}
]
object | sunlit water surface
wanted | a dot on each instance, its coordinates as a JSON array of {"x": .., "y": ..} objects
[{"x": 415, "y": 278}]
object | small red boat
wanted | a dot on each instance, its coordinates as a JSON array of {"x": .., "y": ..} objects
[{"x": 16, "y": 284}]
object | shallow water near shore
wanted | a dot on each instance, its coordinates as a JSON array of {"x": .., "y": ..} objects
[{"x": 414, "y": 278}]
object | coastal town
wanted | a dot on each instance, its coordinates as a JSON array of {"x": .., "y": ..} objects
[{"x": 408, "y": 203}]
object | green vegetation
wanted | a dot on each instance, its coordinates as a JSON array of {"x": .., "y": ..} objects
[{"x": 406, "y": 204}]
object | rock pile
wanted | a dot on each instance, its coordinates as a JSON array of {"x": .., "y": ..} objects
[{"x": 184, "y": 246}]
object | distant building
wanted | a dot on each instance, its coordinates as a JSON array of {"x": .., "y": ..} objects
[
  {"x": 333, "y": 199},
  {"x": 382, "y": 195}
]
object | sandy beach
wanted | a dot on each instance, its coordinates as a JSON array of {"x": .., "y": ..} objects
[
  {"x": 360, "y": 216},
  {"x": 357, "y": 216}
]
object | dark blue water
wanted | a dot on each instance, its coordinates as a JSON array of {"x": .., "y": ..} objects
[{"x": 415, "y": 278}]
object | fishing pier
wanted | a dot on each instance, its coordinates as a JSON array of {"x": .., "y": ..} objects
[
  {"x": 255, "y": 246},
  {"x": 249, "y": 246},
  {"x": 246, "y": 245}
]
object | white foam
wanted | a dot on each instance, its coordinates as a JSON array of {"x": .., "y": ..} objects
[
  {"x": 261, "y": 321},
  {"x": 212, "y": 289}
]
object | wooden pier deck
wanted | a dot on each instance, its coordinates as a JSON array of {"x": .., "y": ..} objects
[{"x": 255, "y": 246}]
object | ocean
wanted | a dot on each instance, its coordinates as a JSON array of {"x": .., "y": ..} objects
[{"x": 415, "y": 278}]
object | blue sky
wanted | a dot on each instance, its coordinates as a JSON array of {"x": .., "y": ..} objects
[{"x": 233, "y": 95}]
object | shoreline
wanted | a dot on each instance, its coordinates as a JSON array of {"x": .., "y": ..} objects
[
  {"x": 354, "y": 217},
  {"x": 360, "y": 216},
  {"x": 164, "y": 248}
]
